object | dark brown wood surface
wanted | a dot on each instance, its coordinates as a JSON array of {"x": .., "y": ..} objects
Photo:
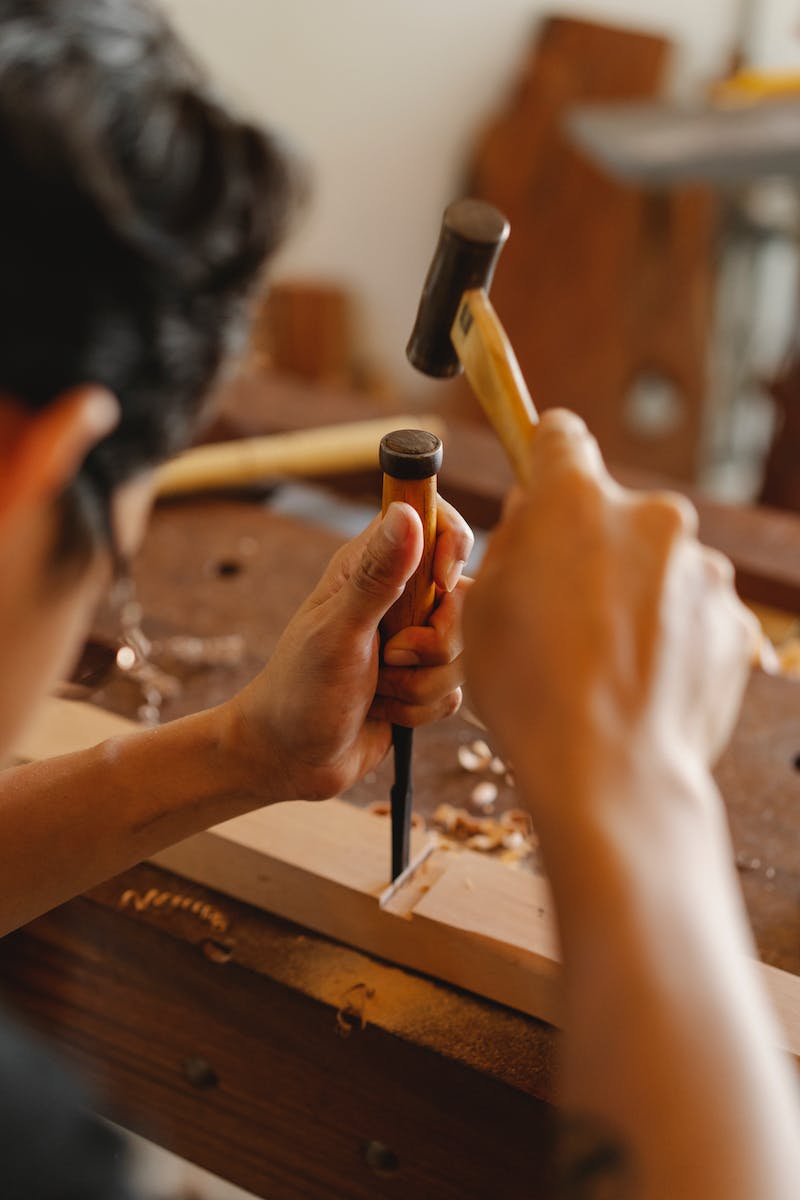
[
  {"x": 245, "y": 570},
  {"x": 221, "y": 1043},
  {"x": 762, "y": 543}
]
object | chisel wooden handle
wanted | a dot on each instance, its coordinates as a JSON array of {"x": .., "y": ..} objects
[{"x": 410, "y": 460}]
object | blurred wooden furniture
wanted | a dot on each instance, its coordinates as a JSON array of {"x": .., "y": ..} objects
[
  {"x": 304, "y": 329},
  {"x": 605, "y": 290},
  {"x": 781, "y": 483}
]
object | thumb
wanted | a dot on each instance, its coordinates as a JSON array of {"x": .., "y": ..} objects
[{"x": 387, "y": 561}]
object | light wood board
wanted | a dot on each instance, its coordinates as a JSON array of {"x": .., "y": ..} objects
[{"x": 463, "y": 918}]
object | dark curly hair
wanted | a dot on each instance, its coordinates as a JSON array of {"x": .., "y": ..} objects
[{"x": 135, "y": 215}]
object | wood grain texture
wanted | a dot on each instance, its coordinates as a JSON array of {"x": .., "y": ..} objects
[
  {"x": 305, "y": 329},
  {"x": 463, "y": 918},
  {"x": 242, "y": 1065},
  {"x": 471, "y": 922}
]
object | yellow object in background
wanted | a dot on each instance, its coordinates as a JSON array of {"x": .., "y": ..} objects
[{"x": 752, "y": 86}]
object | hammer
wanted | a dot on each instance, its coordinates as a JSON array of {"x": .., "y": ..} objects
[{"x": 457, "y": 327}]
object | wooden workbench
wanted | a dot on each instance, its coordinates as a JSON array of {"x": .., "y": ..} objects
[{"x": 289, "y": 1064}]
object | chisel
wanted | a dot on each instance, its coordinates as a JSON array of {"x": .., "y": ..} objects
[{"x": 410, "y": 460}]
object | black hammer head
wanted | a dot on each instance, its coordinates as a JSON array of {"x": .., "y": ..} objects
[{"x": 473, "y": 234}]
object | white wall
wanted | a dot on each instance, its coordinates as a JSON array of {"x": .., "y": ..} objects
[
  {"x": 777, "y": 34},
  {"x": 386, "y": 97}
]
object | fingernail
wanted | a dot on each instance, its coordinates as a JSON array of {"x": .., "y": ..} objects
[
  {"x": 400, "y": 658},
  {"x": 767, "y": 658},
  {"x": 101, "y": 411},
  {"x": 395, "y": 525},
  {"x": 453, "y": 574}
]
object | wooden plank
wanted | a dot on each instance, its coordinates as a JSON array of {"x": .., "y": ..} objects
[
  {"x": 325, "y": 867},
  {"x": 464, "y": 918},
  {"x": 473, "y": 921}
]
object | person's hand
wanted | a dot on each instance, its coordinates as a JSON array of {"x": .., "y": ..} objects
[
  {"x": 599, "y": 633},
  {"x": 321, "y": 711}
]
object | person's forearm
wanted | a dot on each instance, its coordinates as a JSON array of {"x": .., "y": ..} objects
[
  {"x": 70, "y": 822},
  {"x": 670, "y": 1048}
]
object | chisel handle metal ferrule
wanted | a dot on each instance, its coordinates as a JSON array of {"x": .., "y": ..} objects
[{"x": 410, "y": 460}]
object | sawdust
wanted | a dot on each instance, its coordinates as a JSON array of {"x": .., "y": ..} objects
[
  {"x": 361, "y": 991},
  {"x": 788, "y": 653},
  {"x": 382, "y": 808}
]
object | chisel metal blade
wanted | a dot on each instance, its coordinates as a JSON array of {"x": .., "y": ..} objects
[{"x": 402, "y": 797}]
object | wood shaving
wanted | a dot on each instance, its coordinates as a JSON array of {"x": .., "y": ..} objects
[
  {"x": 485, "y": 841},
  {"x": 352, "y": 1012},
  {"x": 479, "y": 757},
  {"x": 484, "y": 794},
  {"x": 483, "y": 752},
  {"x": 468, "y": 759},
  {"x": 518, "y": 818},
  {"x": 475, "y": 757},
  {"x": 511, "y": 832}
]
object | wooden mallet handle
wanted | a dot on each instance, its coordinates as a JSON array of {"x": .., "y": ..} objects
[{"x": 491, "y": 367}]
